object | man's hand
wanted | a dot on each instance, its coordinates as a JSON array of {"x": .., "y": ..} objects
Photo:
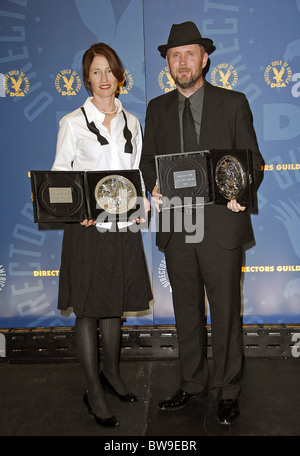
[
  {"x": 234, "y": 206},
  {"x": 147, "y": 205},
  {"x": 156, "y": 196}
]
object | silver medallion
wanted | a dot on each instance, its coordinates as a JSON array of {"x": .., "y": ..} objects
[
  {"x": 230, "y": 177},
  {"x": 115, "y": 194}
]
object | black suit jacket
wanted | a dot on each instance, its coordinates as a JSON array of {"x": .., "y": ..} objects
[{"x": 226, "y": 124}]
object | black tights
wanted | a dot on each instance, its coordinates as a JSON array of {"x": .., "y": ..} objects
[{"x": 87, "y": 348}]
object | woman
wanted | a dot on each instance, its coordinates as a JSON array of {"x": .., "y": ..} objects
[{"x": 103, "y": 274}]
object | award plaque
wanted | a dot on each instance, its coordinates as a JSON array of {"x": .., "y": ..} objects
[
  {"x": 115, "y": 194},
  {"x": 217, "y": 176},
  {"x": 73, "y": 196},
  {"x": 58, "y": 196},
  {"x": 182, "y": 176}
]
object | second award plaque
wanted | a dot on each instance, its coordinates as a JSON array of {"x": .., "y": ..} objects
[{"x": 215, "y": 176}]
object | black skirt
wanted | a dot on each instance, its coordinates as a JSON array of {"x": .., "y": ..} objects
[{"x": 103, "y": 274}]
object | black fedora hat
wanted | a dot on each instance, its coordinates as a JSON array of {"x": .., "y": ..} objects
[{"x": 183, "y": 34}]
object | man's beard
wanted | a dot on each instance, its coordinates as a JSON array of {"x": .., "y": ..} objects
[{"x": 188, "y": 83}]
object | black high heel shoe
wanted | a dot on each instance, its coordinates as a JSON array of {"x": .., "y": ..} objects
[
  {"x": 129, "y": 397},
  {"x": 107, "y": 422}
]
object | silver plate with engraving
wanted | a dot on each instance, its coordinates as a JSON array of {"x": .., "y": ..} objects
[
  {"x": 115, "y": 194},
  {"x": 230, "y": 177}
]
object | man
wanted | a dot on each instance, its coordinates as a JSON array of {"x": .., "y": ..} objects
[{"x": 223, "y": 120}]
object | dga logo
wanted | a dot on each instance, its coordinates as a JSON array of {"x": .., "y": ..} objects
[
  {"x": 278, "y": 74},
  {"x": 67, "y": 82},
  {"x": 16, "y": 84},
  {"x": 165, "y": 81},
  {"x": 224, "y": 75},
  {"x": 2, "y": 277},
  {"x": 128, "y": 83}
]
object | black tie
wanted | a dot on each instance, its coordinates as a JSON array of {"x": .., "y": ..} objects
[{"x": 189, "y": 132}]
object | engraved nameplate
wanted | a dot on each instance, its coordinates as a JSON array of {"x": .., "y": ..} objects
[
  {"x": 60, "y": 195},
  {"x": 183, "y": 179}
]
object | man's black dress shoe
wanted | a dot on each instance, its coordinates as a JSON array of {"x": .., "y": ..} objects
[
  {"x": 228, "y": 411},
  {"x": 179, "y": 399},
  {"x": 129, "y": 397},
  {"x": 107, "y": 422}
]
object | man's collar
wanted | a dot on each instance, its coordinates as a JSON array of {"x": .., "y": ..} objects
[{"x": 198, "y": 92}]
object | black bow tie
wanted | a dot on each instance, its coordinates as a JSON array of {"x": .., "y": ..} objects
[{"x": 103, "y": 141}]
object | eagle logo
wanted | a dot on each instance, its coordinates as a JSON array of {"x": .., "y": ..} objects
[
  {"x": 224, "y": 75},
  {"x": 16, "y": 84},
  {"x": 278, "y": 74},
  {"x": 165, "y": 81},
  {"x": 67, "y": 82}
]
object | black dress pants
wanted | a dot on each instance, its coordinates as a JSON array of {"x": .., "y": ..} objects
[{"x": 194, "y": 269}]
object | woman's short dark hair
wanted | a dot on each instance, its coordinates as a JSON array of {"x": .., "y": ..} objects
[{"x": 112, "y": 58}]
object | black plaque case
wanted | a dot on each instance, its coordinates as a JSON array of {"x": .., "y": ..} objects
[
  {"x": 195, "y": 174},
  {"x": 69, "y": 196},
  {"x": 58, "y": 196},
  {"x": 184, "y": 175}
]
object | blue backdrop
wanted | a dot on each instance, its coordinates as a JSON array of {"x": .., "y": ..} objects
[{"x": 258, "y": 53}]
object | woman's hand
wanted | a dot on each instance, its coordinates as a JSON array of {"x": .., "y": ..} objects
[
  {"x": 234, "y": 206},
  {"x": 88, "y": 223},
  {"x": 146, "y": 209}
]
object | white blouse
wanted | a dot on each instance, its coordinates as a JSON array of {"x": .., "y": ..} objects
[{"x": 78, "y": 149}]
